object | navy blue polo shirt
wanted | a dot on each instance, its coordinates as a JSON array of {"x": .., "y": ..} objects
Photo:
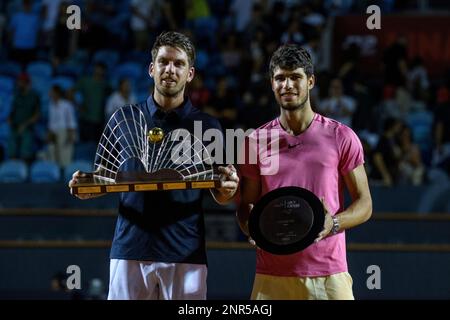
[{"x": 163, "y": 226}]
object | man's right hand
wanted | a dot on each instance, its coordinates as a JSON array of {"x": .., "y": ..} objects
[
  {"x": 77, "y": 175},
  {"x": 244, "y": 226}
]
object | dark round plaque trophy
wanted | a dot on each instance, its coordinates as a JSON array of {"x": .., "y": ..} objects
[{"x": 286, "y": 220}]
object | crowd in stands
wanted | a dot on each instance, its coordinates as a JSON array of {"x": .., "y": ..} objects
[{"x": 59, "y": 86}]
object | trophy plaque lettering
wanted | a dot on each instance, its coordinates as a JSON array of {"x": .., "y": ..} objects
[{"x": 286, "y": 220}]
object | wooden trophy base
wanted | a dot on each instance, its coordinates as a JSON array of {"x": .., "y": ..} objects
[{"x": 165, "y": 179}]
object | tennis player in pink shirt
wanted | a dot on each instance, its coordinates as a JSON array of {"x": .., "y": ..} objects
[{"x": 321, "y": 155}]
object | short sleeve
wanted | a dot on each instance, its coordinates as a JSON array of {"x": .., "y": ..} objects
[{"x": 351, "y": 154}]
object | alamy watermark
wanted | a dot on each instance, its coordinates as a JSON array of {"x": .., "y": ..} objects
[
  {"x": 374, "y": 20},
  {"x": 73, "y": 21},
  {"x": 374, "y": 280},
  {"x": 252, "y": 147},
  {"x": 74, "y": 279}
]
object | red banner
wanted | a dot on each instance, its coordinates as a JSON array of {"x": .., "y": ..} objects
[{"x": 428, "y": 37}]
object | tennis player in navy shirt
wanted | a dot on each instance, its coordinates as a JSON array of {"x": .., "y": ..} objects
[{"x": 158, "y": 251}]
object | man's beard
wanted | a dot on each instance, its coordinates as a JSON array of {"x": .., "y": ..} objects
[
  {"x": 296, "y": 106},
  {"x": 169, "y": 94}
]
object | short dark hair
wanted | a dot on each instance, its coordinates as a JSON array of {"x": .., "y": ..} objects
[
  {"x": 176, "y": 40},
  {"x": 291, "y": 57}
]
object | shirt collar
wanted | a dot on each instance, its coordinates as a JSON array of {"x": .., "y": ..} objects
[{"x": 181, "y": 112}]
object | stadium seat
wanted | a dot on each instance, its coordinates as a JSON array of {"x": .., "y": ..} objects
[
  {"x": 6, "y": 84},
  {"x": 202, "y": 60},
  {"x": 44, "y": 171},
  {"x": 5, "y": 105},
  {"x": 40, "y": 84},
  {"x": 79, "y": 58},
  {"x": 130, "y": 70},
  {"x": 13, "y": 171},
  {"x": 10, "y": 69},
  {"x": 109, "y": 57},
  {"x": 69, "y": 70},
  {"x": 142, "y": 58},
  {"x": 81, "y": 165},
  {"x": 64, "y": 82},
  {"x": 5, "y": 110},
  {"x": 40, "y": 69},
  {"x": 85, "y": 151}
]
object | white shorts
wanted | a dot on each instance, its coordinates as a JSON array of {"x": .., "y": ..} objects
[{"x": 147, "y": 280}]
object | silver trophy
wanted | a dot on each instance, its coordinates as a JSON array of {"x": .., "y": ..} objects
[{"x": 130, "y": 157}]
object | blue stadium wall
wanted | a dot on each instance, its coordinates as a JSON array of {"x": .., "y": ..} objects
[{"x": 408, "y": 238}]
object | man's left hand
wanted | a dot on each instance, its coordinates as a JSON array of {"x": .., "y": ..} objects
[{"x": 328, "y": 223}]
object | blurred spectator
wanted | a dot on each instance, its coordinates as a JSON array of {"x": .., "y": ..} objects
[
  {"x": 404, "y": 101},
  {"x": 338, "y": 106},
  {"x": 231, "y": 53},
  {"x": 395, "y": 62},
  {"x": 356, "y": 86},
  {"x": 257, "y": 22},
  {"x": 313, "y": 47},
  {"x": 96, "y": 33},
  {"x": 94, "y": 90},
  {"x": 278, "y": 18},
  {"x": 313, "y": 17},
  {"x": 196, "y": 9},
  {"x": 145, "y": 18},
  {"x": 338, "y": 7},
  {"x": 2, "y": 23},
  {"x": 241, "y": 12},
  {"x": 198, "y": 93},
  {"x": 119, "y": 98},
  {"x": 363, "y": 118},
  {"x": 235, "y": 39},
  {"x": 293, "y": 34},
  {"x": 411, "y": 168},
  {"x": 417, "y": 77},
  {"x": 62, "y": 128},
  {"x": 441, "y": 152},
  {"x": 369, "y": 142},
  {"x": 387, "y": 154},
  {"x": 63, "y": 40},
  {"x": 24, "y": 28},
  {"x": 50, "y": 15},
  {"x": 256, "y": 48},
  {"x": 24, "y": 114},
  {"x": 420, "y": 121},
  {"x": 349, "y": 70},
  {"x": 223, "y": 104},
  {"x": 257, "y": 108},
  {"x": 397, "y": 103},
  {"x": 175, "y": 12}
]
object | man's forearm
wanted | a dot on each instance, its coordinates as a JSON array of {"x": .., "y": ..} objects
[
  {"x": 221, "y": 198},
  {"x": 358, "y": 212}
]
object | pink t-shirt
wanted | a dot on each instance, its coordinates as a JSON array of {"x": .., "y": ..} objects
[{"x": 316, "y": 160}]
